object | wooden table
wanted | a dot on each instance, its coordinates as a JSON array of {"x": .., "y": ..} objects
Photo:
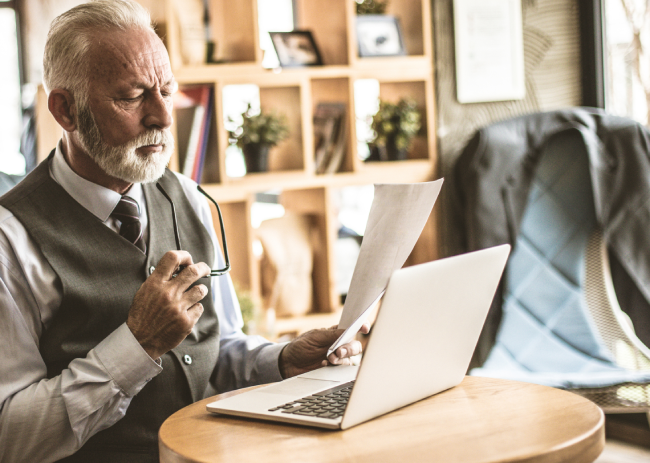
[{"x": 481, "y": 420}]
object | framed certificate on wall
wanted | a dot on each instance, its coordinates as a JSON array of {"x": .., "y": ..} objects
[{"x": 489, "y": 51}]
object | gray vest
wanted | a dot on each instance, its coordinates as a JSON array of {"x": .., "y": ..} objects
[{"x": 100, "y": 273}]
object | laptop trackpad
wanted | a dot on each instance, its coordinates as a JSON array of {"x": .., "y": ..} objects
[{"x": 298, "y": 386}]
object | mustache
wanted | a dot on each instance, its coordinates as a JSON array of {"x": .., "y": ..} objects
[{"x": 152, "y": 137}]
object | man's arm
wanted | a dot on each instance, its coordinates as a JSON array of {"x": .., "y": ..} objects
[{"x": 47, "y": 419}]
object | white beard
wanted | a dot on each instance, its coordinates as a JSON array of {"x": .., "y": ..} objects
[{"x": 122, "y": 161}]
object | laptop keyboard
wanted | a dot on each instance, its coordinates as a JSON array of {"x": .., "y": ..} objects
[{"x": 329, "y": 403}]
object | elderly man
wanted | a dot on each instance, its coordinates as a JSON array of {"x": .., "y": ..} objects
[{"x": 106, "y": 330}]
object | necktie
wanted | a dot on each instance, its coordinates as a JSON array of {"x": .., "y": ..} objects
[{"x": 127, "y": 211}]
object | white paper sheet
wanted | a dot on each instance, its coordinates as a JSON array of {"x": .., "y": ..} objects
[
  {"x": 350, "y": 333},
  {"x": 397, "y": 217}
]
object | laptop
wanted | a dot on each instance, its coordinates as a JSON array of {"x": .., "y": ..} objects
[{"x": 421, "y": 344}]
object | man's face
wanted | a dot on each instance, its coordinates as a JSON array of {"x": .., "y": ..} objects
[{"x": 124, "y": 124}]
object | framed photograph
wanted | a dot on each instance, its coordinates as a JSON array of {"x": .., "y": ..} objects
[
  {"x": 296, "y": 48},
  {"x": 379, "y": 35}
]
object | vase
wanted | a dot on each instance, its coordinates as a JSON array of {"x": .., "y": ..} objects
[
  {"x": 256, "y": 157},
  {"x": 392, "y": 152},
  {"x": 374, "y": 151}
]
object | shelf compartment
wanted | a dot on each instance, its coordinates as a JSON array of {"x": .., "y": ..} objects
[
  {"x": 327, "y": 22},
  {"x": 415, "y": 23},
  {"x": 417, "y": 90},
  {"x": 235, "y": 41},
  {"x": 288, "y": 154},
  {"x": 416, "y": 29},
  {"x": 317, "y": 203},
  {"x": 337, "y": 90},
  {"x": 288, "y": 100}
]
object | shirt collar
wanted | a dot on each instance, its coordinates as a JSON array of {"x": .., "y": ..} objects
[{"x": 98, "y": 200}]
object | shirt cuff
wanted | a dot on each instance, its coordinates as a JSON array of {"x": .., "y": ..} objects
[
  {"x": 126, "y": 361},
  {"x": 269, "y": 363}
]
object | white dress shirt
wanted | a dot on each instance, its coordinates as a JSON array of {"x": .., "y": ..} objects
[{"x": 47, "y": 419}]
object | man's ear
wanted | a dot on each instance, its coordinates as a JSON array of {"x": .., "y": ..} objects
[{"x": 61, "y": 104}]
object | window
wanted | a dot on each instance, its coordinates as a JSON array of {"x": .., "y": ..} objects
[
  {"x": 11, "y": 160},
  {"x": 627, "y": 59}
]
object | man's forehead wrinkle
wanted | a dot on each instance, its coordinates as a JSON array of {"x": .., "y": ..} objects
[
  {"x": 135, "y": 61},
  {"x": 130, "y": 46}
]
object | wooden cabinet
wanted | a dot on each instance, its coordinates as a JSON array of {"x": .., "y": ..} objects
[{"x": 296, "y": 92}]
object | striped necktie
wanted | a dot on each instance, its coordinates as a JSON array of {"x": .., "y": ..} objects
[{"x": 127, "y": 212}]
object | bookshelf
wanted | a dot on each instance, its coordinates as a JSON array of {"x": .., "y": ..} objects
[{"x": 297, "y": 92}]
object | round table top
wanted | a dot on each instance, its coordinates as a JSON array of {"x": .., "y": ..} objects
[{"x": 481, "y": 420}]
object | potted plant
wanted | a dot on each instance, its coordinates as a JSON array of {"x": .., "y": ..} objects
[
  {"x": 256, "y": 135},
  {"x": 394, "y": 126},
  {"x": 371, "y": 7}
]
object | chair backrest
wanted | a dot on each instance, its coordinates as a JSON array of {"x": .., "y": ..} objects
[
  {"x": 613, "y": 325},
  {"x": 546, "y": 325},
  {"x": 617, "y": 332}
]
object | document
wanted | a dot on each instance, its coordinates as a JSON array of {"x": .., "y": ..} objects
[
  {"x": 352, "y": 330},
  {"x": 397, "y": 217}
]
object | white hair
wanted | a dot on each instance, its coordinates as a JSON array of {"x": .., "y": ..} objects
[{"x": 65, "y": 63}]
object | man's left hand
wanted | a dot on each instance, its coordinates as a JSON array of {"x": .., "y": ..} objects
[{"x": 307, "y": 352}]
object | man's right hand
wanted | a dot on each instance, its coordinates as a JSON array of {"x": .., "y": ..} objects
[{"x": 164, "y": 311}]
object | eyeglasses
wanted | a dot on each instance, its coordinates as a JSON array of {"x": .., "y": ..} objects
[{"x": 213, "y": 272}]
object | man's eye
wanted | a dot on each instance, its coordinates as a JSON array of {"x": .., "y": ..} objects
[{"x": 133, "y": 99}]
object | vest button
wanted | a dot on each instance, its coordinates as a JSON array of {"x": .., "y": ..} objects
[
  {"x": 187, "y": 359},
  {"x": 151, "y": 269}
]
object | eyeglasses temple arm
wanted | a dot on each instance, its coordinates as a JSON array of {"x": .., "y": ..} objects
[
  {"x": 176, "y": 237},
  {"x": 223, "y": 233}
]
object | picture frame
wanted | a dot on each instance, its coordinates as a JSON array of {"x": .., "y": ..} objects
[
  {"x": 296, "y": 48},
  {"x": 379, "y": 35}
]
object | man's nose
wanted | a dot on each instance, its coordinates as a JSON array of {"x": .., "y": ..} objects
[{"x": 159, "y": 112}]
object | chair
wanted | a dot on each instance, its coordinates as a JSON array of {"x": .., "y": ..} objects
[
  {"x": 617, "y": 333},
  {"x": 561, "y": 324}
]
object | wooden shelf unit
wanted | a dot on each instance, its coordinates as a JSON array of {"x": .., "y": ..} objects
[{"x": 296, "y": 92}]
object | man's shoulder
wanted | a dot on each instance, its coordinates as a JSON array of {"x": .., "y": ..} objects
[{"x": 27, "y": 186}]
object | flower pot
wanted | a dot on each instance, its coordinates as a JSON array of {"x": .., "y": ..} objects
[
  {"x": 374, "y": 155},
  {"x": 256, "y": 157},
  {"x": 392, "y": 152}
]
